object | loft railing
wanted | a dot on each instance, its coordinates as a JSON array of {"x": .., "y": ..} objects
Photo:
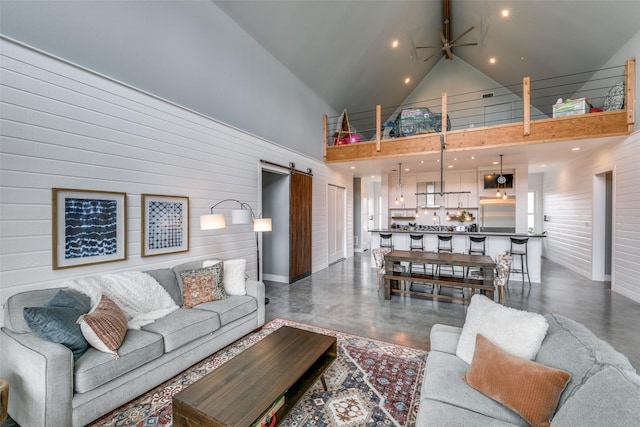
[{"x": 521, "y": 113}]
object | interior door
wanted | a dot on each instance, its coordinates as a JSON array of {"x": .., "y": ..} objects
[
  {"x": 336, "y": 217},
  {"x": 300, "y": 226}
]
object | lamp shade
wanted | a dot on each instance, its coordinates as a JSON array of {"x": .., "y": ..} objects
[
  {"x": 241, "y": 216},
  {"x": 212, "y": 222},
  {"x": 262, "y": 224}
]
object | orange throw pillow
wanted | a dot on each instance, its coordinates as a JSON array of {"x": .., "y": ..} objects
[
  {"x": 528, "y": 388},
  {"x": 105, "y": 326}
]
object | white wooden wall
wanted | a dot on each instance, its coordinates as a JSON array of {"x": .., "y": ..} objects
[
  {"x": 568, "y": 200},
  {"x": 65, "y": 126}
]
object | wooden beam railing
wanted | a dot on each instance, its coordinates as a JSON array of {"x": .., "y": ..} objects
[{"x": 610, "y": 123}]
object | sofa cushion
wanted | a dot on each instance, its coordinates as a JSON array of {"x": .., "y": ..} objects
[
  {"x": 528, "y": 388},
  {"x": 96, "y": 368},
  {"x": 443, "y": 382},
  {"x": 610, "y": 397},
  {"x": 105, "y": 326},
  {"x": 432, "y": 413},
  {"x": 202, "y": 285},
  {"x": 183, "y": 326},
  {"x": 515, "y": 331},
  {"x": 191, "y": 265},
  {"x": 167, "y": 279},
  {"x": 234, "y": 276},
  {"x": 14, "y": 311},
  {"x": 573, "y": 348},
  {"x": 56, "y": 321},
  {"x": 230, "y": 309}
]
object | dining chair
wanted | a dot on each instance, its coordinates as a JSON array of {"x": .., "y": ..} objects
[
  {"x": 503, "y": 264},
  {"x": 378, "y": 257}
]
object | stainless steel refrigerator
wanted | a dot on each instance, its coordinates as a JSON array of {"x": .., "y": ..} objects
[{"x": 497, "y": 215}]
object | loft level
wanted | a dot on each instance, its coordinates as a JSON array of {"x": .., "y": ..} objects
[{"x": 528, "y": 131}]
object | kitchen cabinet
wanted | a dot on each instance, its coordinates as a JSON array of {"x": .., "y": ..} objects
[
  {"x": 461, "y": 181},
  {"x": 408, "y": 190}
]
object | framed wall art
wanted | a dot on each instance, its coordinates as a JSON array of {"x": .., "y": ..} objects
[
  {"x": 89, "y": 227},
  {"x": 165, "y": 224}
]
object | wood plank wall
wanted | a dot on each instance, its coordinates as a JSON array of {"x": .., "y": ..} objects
[
  {"x": 568, "y": 200},
  {"x": 65, "y": 126}
]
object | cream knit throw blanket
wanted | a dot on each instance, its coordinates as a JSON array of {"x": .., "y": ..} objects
[{"x": 139, "y": 295}]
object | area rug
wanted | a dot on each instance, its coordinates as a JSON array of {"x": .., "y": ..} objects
[{"x": 371, "y": 383}]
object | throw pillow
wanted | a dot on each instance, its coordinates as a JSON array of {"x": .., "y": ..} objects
[
  {"x": 514, "y": 331},
  {"x": 56, "y": 320},
  {"x": 202, "y": 285},
  {"x": 528, "y": 388},
  {"x": 234, "y": 277},
  {"x": 615, "y": 98},
  {"x": 105, "y": 326}
]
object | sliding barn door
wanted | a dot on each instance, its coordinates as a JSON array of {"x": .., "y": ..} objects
[{"x": 300, "y": 226}]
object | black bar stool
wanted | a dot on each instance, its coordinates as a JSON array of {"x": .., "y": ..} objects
[
  {"x": 445, "y": 244},
  {"x": 386, "y": 240},
  {"x": 416, "y": 243},
  {"x": 519, "y": 248},
  {"x": 477, "y": 246}
]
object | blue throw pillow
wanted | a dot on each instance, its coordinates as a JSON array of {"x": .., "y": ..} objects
[{"x": 56, "y": 321}]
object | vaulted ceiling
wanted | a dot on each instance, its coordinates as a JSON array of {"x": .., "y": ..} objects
[{"x": 342, "y": 49}]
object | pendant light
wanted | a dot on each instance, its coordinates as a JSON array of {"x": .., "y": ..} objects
[
  {"x": 501, "y": 181},
  {"x": 399, "y": 186}
]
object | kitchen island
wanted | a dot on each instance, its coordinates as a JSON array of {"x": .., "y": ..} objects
[{"x": 496, "y": 243}]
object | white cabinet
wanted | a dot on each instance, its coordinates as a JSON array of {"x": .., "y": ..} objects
[
  {"x": 458, "y": 182},
  {"x": 408, "y": 190}
]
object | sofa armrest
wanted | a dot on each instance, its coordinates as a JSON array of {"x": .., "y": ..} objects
[
  {"x": 445, "y": 338},
  {"x": 40, "y": 375},
  {"x": 256, "y": 290}
]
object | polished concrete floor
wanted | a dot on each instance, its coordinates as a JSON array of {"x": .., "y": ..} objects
[{"x": 345, "y": 297}]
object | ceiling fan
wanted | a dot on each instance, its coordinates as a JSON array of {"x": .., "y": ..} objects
[{"x": 445, "y": 36}]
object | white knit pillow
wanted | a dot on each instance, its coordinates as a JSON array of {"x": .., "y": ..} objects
[
  {"x": 514, "y": 331},
  {"x": 234, "y": 276}
]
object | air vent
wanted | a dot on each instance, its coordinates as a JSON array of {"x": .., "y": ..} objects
[{"x": 487, "y": 95}]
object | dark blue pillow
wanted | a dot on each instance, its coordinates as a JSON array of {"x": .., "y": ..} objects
[{"x": 56, "y": 321}]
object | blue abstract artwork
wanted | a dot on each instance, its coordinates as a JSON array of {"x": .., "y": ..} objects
[
  {"x": 165, "y": 224},
  {"x": 90, "y": 227}
]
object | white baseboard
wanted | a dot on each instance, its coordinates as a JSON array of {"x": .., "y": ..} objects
[{"x": 275, "y": 278}]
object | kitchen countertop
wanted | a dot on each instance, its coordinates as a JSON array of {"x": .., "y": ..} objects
[{"x": 461, "y": 233}]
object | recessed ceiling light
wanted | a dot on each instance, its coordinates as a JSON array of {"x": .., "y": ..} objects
[
  {"x": 544, "y": 166},
  {"x": 407, "y": 80},
  {"x": 494, "y": 163},
  {"x": 422, "y": 162},
  {"x": 395, "y": 43},
  {"x": 373, "y": 176},
  {"x": 492, "y": 60},
  {"x": 575, "y": 149},
  {"x": 455, "y": 158},
  {"x": 450, "y": 166},
  {"x": 473, "y": 157},
  {"x": 352, "y": 167},
  {"x": 504, "y": 13},
  {"x": 407, "y": 169}
]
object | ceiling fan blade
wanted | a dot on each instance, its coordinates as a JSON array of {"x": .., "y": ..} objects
[
  {"x": 431, "y": 56},
  {"x": 448, "y": 53},
  {"x": 428, "y": 47},
  {"x": 464, "y": 44},
  {"x": 462, "y": 35},
  {"x": 442, "y": 37}
]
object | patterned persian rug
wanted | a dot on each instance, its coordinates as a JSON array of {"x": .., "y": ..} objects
[{"x": 371, "y": 383}]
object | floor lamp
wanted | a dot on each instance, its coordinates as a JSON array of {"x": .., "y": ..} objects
[{"x": 244, "y": 215}]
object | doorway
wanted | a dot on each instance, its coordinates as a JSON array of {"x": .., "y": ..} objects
[
  {"x": 602, "y": 252},
  {"x": 336, "y": 205}
]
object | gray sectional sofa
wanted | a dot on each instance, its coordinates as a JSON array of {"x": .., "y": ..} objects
[
  {"x": 47, "y": 388},
  {"x": 604, "y": 388}
]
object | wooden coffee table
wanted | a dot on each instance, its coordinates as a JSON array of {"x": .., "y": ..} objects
[{"x": 286, "y": 362}]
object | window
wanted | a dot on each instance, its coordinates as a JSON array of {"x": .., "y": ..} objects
[{"x": 531, "y": 210}]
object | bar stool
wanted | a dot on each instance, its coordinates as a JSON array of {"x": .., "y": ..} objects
[
  {"x": 386, "y": 240},
  {"x": 477, "y": 246},
  {"x": 519, "y": 248},
  {"x": 445, "y": 244},
  {"x": 416, "y": 243}
]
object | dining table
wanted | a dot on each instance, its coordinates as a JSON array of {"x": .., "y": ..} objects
[{"x": 481, "y": 282}]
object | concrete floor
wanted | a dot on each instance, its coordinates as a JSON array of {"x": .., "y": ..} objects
[{"x": 345, "y": 297}]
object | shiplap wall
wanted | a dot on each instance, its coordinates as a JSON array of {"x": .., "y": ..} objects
[
  {"x": 65, "y": 126},
  {"x": 568, "y": 200}
]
